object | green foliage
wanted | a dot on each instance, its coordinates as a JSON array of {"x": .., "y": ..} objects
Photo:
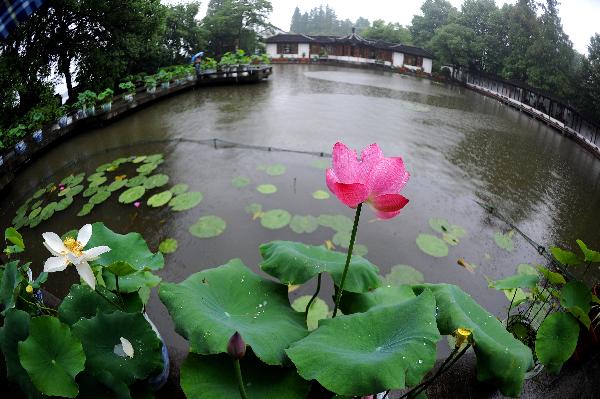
[
  {"x": 128, "y": 87},
  {"x": 275, "y": 219},
  {"x": 517, "y": 281},
  {"x": 505, "y": 241},
  {"x": 295, "y": 263},
  {"x": 207, "y": 309},
  {"x": 318, "y": 310},
  {"x": 304, "y": 224},
  {"x": 168, "y": 246},
  {"x": 185, "y": 201},
  {"x": 160, "y": 199},
  {"x": 432, "y": 245},
  {"x": 131, "y": 195},
  {"x": 105, "y": 96},
  {"x": 556, "y": 340},
  {"x": 266, "y": 188},
  {"x": 403, "y": 274},
  {"x": 390, "y": 32},
  {"x": 565, "y": 257},
  {"x": 208, "y": 227}
]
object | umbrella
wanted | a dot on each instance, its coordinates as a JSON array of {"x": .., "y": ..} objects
[
  {"x": 200, "y": 54},
  {"x": 14, "y": 11}
]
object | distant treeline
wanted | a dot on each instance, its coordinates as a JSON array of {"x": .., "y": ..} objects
[{"x": 524, "y": 42}]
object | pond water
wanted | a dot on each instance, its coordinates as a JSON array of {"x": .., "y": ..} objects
[{"x": 459, "y": 147}]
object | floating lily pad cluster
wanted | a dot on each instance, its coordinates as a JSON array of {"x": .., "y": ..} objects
[{"x": 437, "y": 245}]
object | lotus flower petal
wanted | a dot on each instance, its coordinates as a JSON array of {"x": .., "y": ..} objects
[
  {"x": 56, "y": 264},
  {"x": 86, "y": 274},
  {"x": 94, "y": 253},
  {"x": 84, "y": 235},
  {"x": 388, "y": 177},
  {"x": 345, "y": 163},
  {"x": 369, "y": 158},
  {"x": 389, "y": 202},
  {"x": 54, "y": 243}
]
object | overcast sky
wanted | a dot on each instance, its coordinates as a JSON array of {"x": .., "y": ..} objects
[{"x": 580, "y": 18}]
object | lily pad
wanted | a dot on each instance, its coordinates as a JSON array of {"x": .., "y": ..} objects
[
  {"x": 275, "y": 170},
  {"x": 104, "y": 167},
  {"x": 168, "y": 246},
  {"x": 52, "y": 357},
  {"x": 255, "y": 210},
  {"x": 360, "y": 250},
  {"x": 432, "y": 245},
  {"x": 213, "y": 377},
  {"x": 403, "y": 274},
  {"x": 98, "y": 182},
  {"x": 266, "y": 188},
  {"x": 179, "y": 188},
  {"x": 138, "y": 180},
  {"x": 48, "y": 211},
  {"x": 154, "y": 158},
  {"x": 100, "y": 197},
  {"x": 342, "y": 239},
  {"x": 90, "y": 191},
  {"x": 139, "y": 159},
  {"x": 63, "y": 204},
  {"x": 156, "y": 181},
  {"x": 185, "y": 201},
  {"x": 240, "y": 181},
  {"x": 505, "y": 241},
  {"x": 336, "y": 222},
  {"x": 117, "y": 185},
  {"x": 33, "y": 223},
  {"x": 275, "y": 219},
  {"x": 39, "y": 193},
  {"x": 131, "y": 195},
  {"x": 35, "y": 213},
  {"x": 385, "y": 348},
  {"x": 146, "y": 168},
  {"x": 208, "y": 227},
  {"x": 318, "y": 310},
  {"x": 304, "y": 224},
  {"x": 37, "y": 204},
  {"x": 383, "y": 296},
  {"x": 86, "y": 209},
  {"x": 100, "y": 348},
  {"x": 320, "y": 195},
  {"x": 321, "y": 164},
  {"x": 160, "y": 199},
  {"x": 295, "y": 263},
  {"x": 71, "y": 191},
  {"x": 556, "y": 340},
  {"x": 207, "y": 308},
  {"x": 96, "y": 176},
  {"x": 501, "y": 358}
]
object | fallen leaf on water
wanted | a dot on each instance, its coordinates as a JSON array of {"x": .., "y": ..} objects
[
  {"x": 329, "y": 245},
  {"x": 469, "y": 266}
]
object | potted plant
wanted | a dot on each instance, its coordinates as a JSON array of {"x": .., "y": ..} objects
[
  {"x": 164, "y": 78},
  {"x": 15, "y": 135},
  {"x": 88, "y": 99},
  {"x": 209, "y": 67},
  {"x": 150, "y": 83},
  {"x": 545, "y": 308},
  {"x": 64, "y": 120},
  {"x": 129, "y": 89},
  {"x": 98, "y": 338},
  {"x": 228, "y": 64},
  {"x": 36, "y": 119},
  {"x": 105, "y": 98},
  {"x": 190, "y": 72}
]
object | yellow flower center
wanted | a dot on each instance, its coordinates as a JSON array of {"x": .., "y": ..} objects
[
  {"x": 73, "y": 245},
  {"x": 463, "y": 335},
  {"x": 29, "y": 289}
]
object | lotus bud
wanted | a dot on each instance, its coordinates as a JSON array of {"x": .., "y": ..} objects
[
  {"x": 236, "y": 347},
  {"x": 463, "y": 335},
  {"x": 29, "y": 289}
]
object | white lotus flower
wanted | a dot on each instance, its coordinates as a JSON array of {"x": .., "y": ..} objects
[
  {"x": 70, "y": 251},
  {"x": 124, "y": 348}
]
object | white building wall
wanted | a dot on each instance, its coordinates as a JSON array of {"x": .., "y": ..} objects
[
  {"x": 427, "y": 65},
  {"x": 272, "y": 50},
  {"x": 398, "y": 59},
  {"x": 303, "y": 48}
]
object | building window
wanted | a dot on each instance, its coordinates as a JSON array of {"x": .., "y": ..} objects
[
  {"x": 287, "y": 48},
  {"x": 413, "y": 60}
]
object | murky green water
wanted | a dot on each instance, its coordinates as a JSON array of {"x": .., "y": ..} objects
[{"x": 458, "y": 146}]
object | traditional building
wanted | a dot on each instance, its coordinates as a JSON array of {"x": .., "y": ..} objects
[{"x": 351, "y": 48}]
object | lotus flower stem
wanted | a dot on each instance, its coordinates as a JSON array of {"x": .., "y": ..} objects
[
  {"x": 338, "y": 296},
  {"x": 313, "y": 297},
  {"x": 116, "y": 305},
  {"x": 119, "y": 291},
  {"x": 510, "y": 306},
  {"x": 240, "y": 380}
]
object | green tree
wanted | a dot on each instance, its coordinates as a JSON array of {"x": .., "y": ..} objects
[
  {"x": 436, "y": 13},
  {"x": 184, "y": 36},
  {"x": 522, "y": 31},
  {"x": 390, "y": 32},
  {"x": 456, "y": 45},
  {"x": 589, "y": 100}
]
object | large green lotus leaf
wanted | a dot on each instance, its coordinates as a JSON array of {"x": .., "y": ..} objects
[
  {"x": 318, "y": 310},
  {"x": 432, "y": 245},
  {"x": 553, "y": 277},
  {"x": 275, "y": 219},
  {"x": 185, "y": 201},
  {"x": 131, "y": 195},
  {"x": 516, "y": 281},
  {"x": 15, "y": 329},
  {"x": 295, "y": 263},
  {"x": 179, "y": 188},
  {"x": 556, "y": 340},
  {"x": 565, "y": 257},
  {"x": 100, "y": 197},
  {"x": 404, "y": 274},
  {"x": 446, "y": 228},
  {"x": 589, "y": 255},
  {"x": 83, "y": 303},
  {"x": 101, "y": 385},
  {"x": 213, "y": 377},
  {"x": 304, "y": 224},
  {"x": 387, "y": 347},
  {"x": 132, "y": 282},
  {"x": 505, "y": 241},
  {"x": 100, "y": 347},
  {"x": 156, "y": 181},
  {"x": 383, "y": 296},
  {"x": 130, "y": 248},
  {"x": 52, "y": 357},
  {"x": 501, "y": 359},
  {"x": 160, "y": 199},
  {"x": 210, "y": 306},
  {"x": 576, "y": 294},
  {"x": 336, "y": 222},
  {"x": 8, "y": 285},
  {"x": 208, "y": 226}
]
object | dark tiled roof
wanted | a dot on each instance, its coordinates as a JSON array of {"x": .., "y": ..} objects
[{"x": 352, "y": 39}]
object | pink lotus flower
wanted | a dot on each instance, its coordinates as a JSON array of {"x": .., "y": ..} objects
[
  {"x": 373, "y": 179},
  {"x": 137, "y": 204}
]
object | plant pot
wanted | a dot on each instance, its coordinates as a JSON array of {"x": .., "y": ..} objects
[
  {"x": 165, "y": 85},
  {"x": 1, "y": 160},
  {"x": 190, "y": 78},
  {"x": 21, "y": 147},
  {"x": 151, "y": 90},
  {"x": 233, "y": 75},
  {"x": 178, "y": 82},
  {"x": 128, "y": 98},
  {"x": 158, "y": 381},
  {"x": 90, "y": 111},
  {"x": 80, "y": 114},
  {"x": 106, "y": 107},
  {"x": 64, "y": 121},
  {"x": 38, "y": 136},
  {"x": 524, "y": 330}
]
